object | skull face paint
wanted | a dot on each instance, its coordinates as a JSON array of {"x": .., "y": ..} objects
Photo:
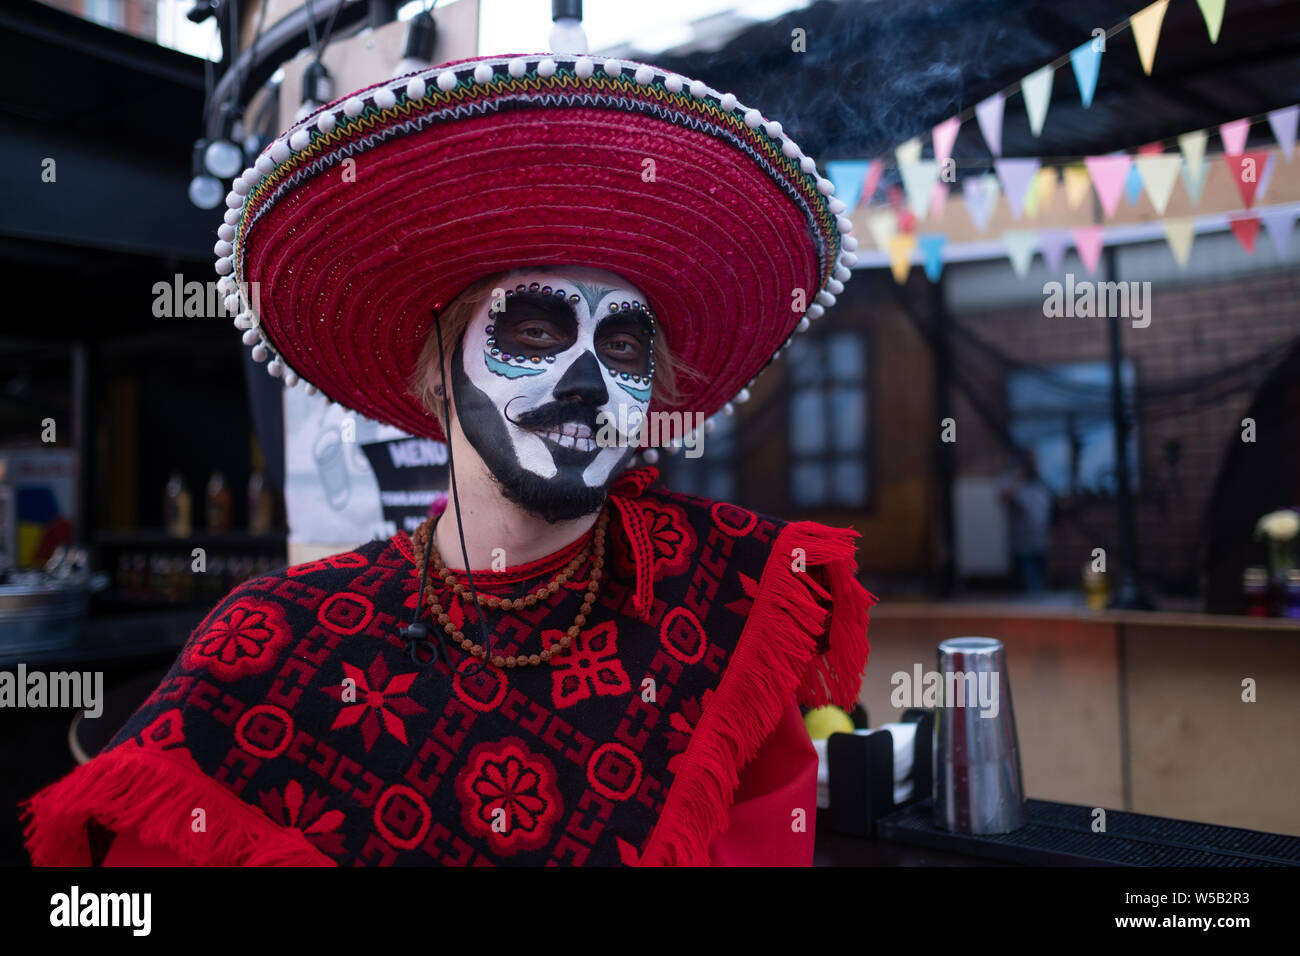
[{"x": 534, "y": 380}]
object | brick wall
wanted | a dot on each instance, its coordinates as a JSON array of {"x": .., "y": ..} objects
[{"x": 1196, "y": 329}]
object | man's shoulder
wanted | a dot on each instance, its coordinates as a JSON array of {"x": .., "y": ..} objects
[
  {"x": 248, "y": 637},
  {"x": 333, "y": 569},
  {"x": 251, "y": 627},
  {"x": 730, "y": 519},
  {"x": 805, "y": 543}
]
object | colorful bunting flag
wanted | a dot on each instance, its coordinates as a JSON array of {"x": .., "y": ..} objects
[
  {"x": 1246, "y": 229},
  {"x": 1109, "y": 174},
  {"x": 1159, "y": 173},
  {"x": 989, "y": 113},
  {"x": 1179, "y": 233},
  {"x": 1088, "y": 241},
  {"x": 872, "y": 180},
  {"x": 1077, "y": 185},
  {"x": 848, "y": 177},
  {"x": 1016, "y": 176},
  {"x": 882, "y": 225},
  {"x": 932, "y": 253},
  {"x": 900, "y": 255},
  {"x": 908, "y": 152},
  {"x": 918, "y": 183},
  {"x": 1234, "y": 136},
  {"x": 938, "y": 200},
  {"x": 1146, "y": 32},
  {"x": 981, "y": 195},
  {"x": 1245, "y": 170},
  {"x": 1037, "y": 89},
  {"x": 1212, "y": 11},
  {"x": 1052, "y": 244},
  {"x": 1042, "y": 192},
  {"x": 1086, "y": 60},
  {"x": 1283, "y": 122},
  {"x": 1133, "y": 186},
  {"x": 1194, "y": 183},
  {"x": 1020, "y": 245},
  {"x": 1192, "y": 146},
  {"x": 1279, "y": 221},
  {"x": 1266, "y": 177},
  {"x": 945, "y": 134}
]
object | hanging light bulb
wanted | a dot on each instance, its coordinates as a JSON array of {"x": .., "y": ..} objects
[
  {"x": 567, "y": 35},
  {"x": 421, "y": 37},
  {"x": 223, "y": 158},
  {"x": 317, "y": 89},
  {"x": 205, "y": 190}
]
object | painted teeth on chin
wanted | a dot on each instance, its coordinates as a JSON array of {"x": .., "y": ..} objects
[{"x": 566, "y": 440}]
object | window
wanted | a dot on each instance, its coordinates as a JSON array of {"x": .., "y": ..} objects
[
  {"x": 110, "y": 13},
  {"x": 1063, "y": 413},
  {"x": 828, "y": 420},
  {"x": 712, "y": 474}
]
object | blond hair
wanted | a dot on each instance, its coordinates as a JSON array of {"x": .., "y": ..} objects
[{"x": 669, "y": 371}]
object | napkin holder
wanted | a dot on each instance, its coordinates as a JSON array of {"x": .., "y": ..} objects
[{"x": 862, "y": 774}]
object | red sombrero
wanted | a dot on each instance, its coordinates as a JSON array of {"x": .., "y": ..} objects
[{"x": 362, "y": 216}]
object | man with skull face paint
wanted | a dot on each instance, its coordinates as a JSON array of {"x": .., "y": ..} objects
[
  {"x": 627, "y": 689},
  {"x": 540, "y": 370}
]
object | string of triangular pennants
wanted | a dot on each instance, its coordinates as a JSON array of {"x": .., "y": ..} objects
[
  {"x": 1088, "y": 241},
  {"x": 1028, "y": 184}
]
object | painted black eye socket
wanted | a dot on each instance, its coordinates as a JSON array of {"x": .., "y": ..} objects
[
  {"x": 534, "y": 324},
  {"x": 623, "y": 343}
]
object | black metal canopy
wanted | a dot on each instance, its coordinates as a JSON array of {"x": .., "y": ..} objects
[{"x": 877, "y": 73}]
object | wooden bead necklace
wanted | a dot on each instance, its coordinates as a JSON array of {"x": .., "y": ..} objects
[{"x": 596, "y": 549}]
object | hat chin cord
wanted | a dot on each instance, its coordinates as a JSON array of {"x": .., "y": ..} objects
[{"x": 417, "y": 633}]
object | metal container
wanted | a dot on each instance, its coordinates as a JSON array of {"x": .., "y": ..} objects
[
  {"x": 43, "y": 611},
  {"x": 42, "y": 615},
  {"x": 977, "y": 782}
]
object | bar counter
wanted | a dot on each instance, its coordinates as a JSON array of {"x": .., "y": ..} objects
[{"x": 1148, "y": 712}]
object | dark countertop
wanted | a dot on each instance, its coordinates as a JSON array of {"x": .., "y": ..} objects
[
  {"x": 841, "y": 849},
  {"x": 117, "y": 636}
]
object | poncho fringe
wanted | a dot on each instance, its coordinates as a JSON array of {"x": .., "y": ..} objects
[
  {"x": 778, "y": 655},
  {"x": 131, "y": 789}
]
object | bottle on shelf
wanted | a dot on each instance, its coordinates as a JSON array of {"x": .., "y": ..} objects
[
  {"x": 218, "y": 504},
  {"x": 176, "y": 506},
  {"x": 260, "y": 510}
]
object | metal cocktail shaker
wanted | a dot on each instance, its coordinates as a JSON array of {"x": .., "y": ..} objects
[{"x": 977, "y": 782}]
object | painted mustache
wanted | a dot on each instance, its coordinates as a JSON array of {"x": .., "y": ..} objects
[{"x": 564, "y": 423}]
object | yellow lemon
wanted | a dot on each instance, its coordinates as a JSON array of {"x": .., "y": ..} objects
[{"x": 824, "y": 721}]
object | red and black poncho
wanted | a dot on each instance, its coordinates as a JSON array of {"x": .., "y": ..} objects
[{"x": 669, "y": 733}]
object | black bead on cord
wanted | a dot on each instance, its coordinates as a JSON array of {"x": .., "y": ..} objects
[{"x": 417, "y": 632}]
